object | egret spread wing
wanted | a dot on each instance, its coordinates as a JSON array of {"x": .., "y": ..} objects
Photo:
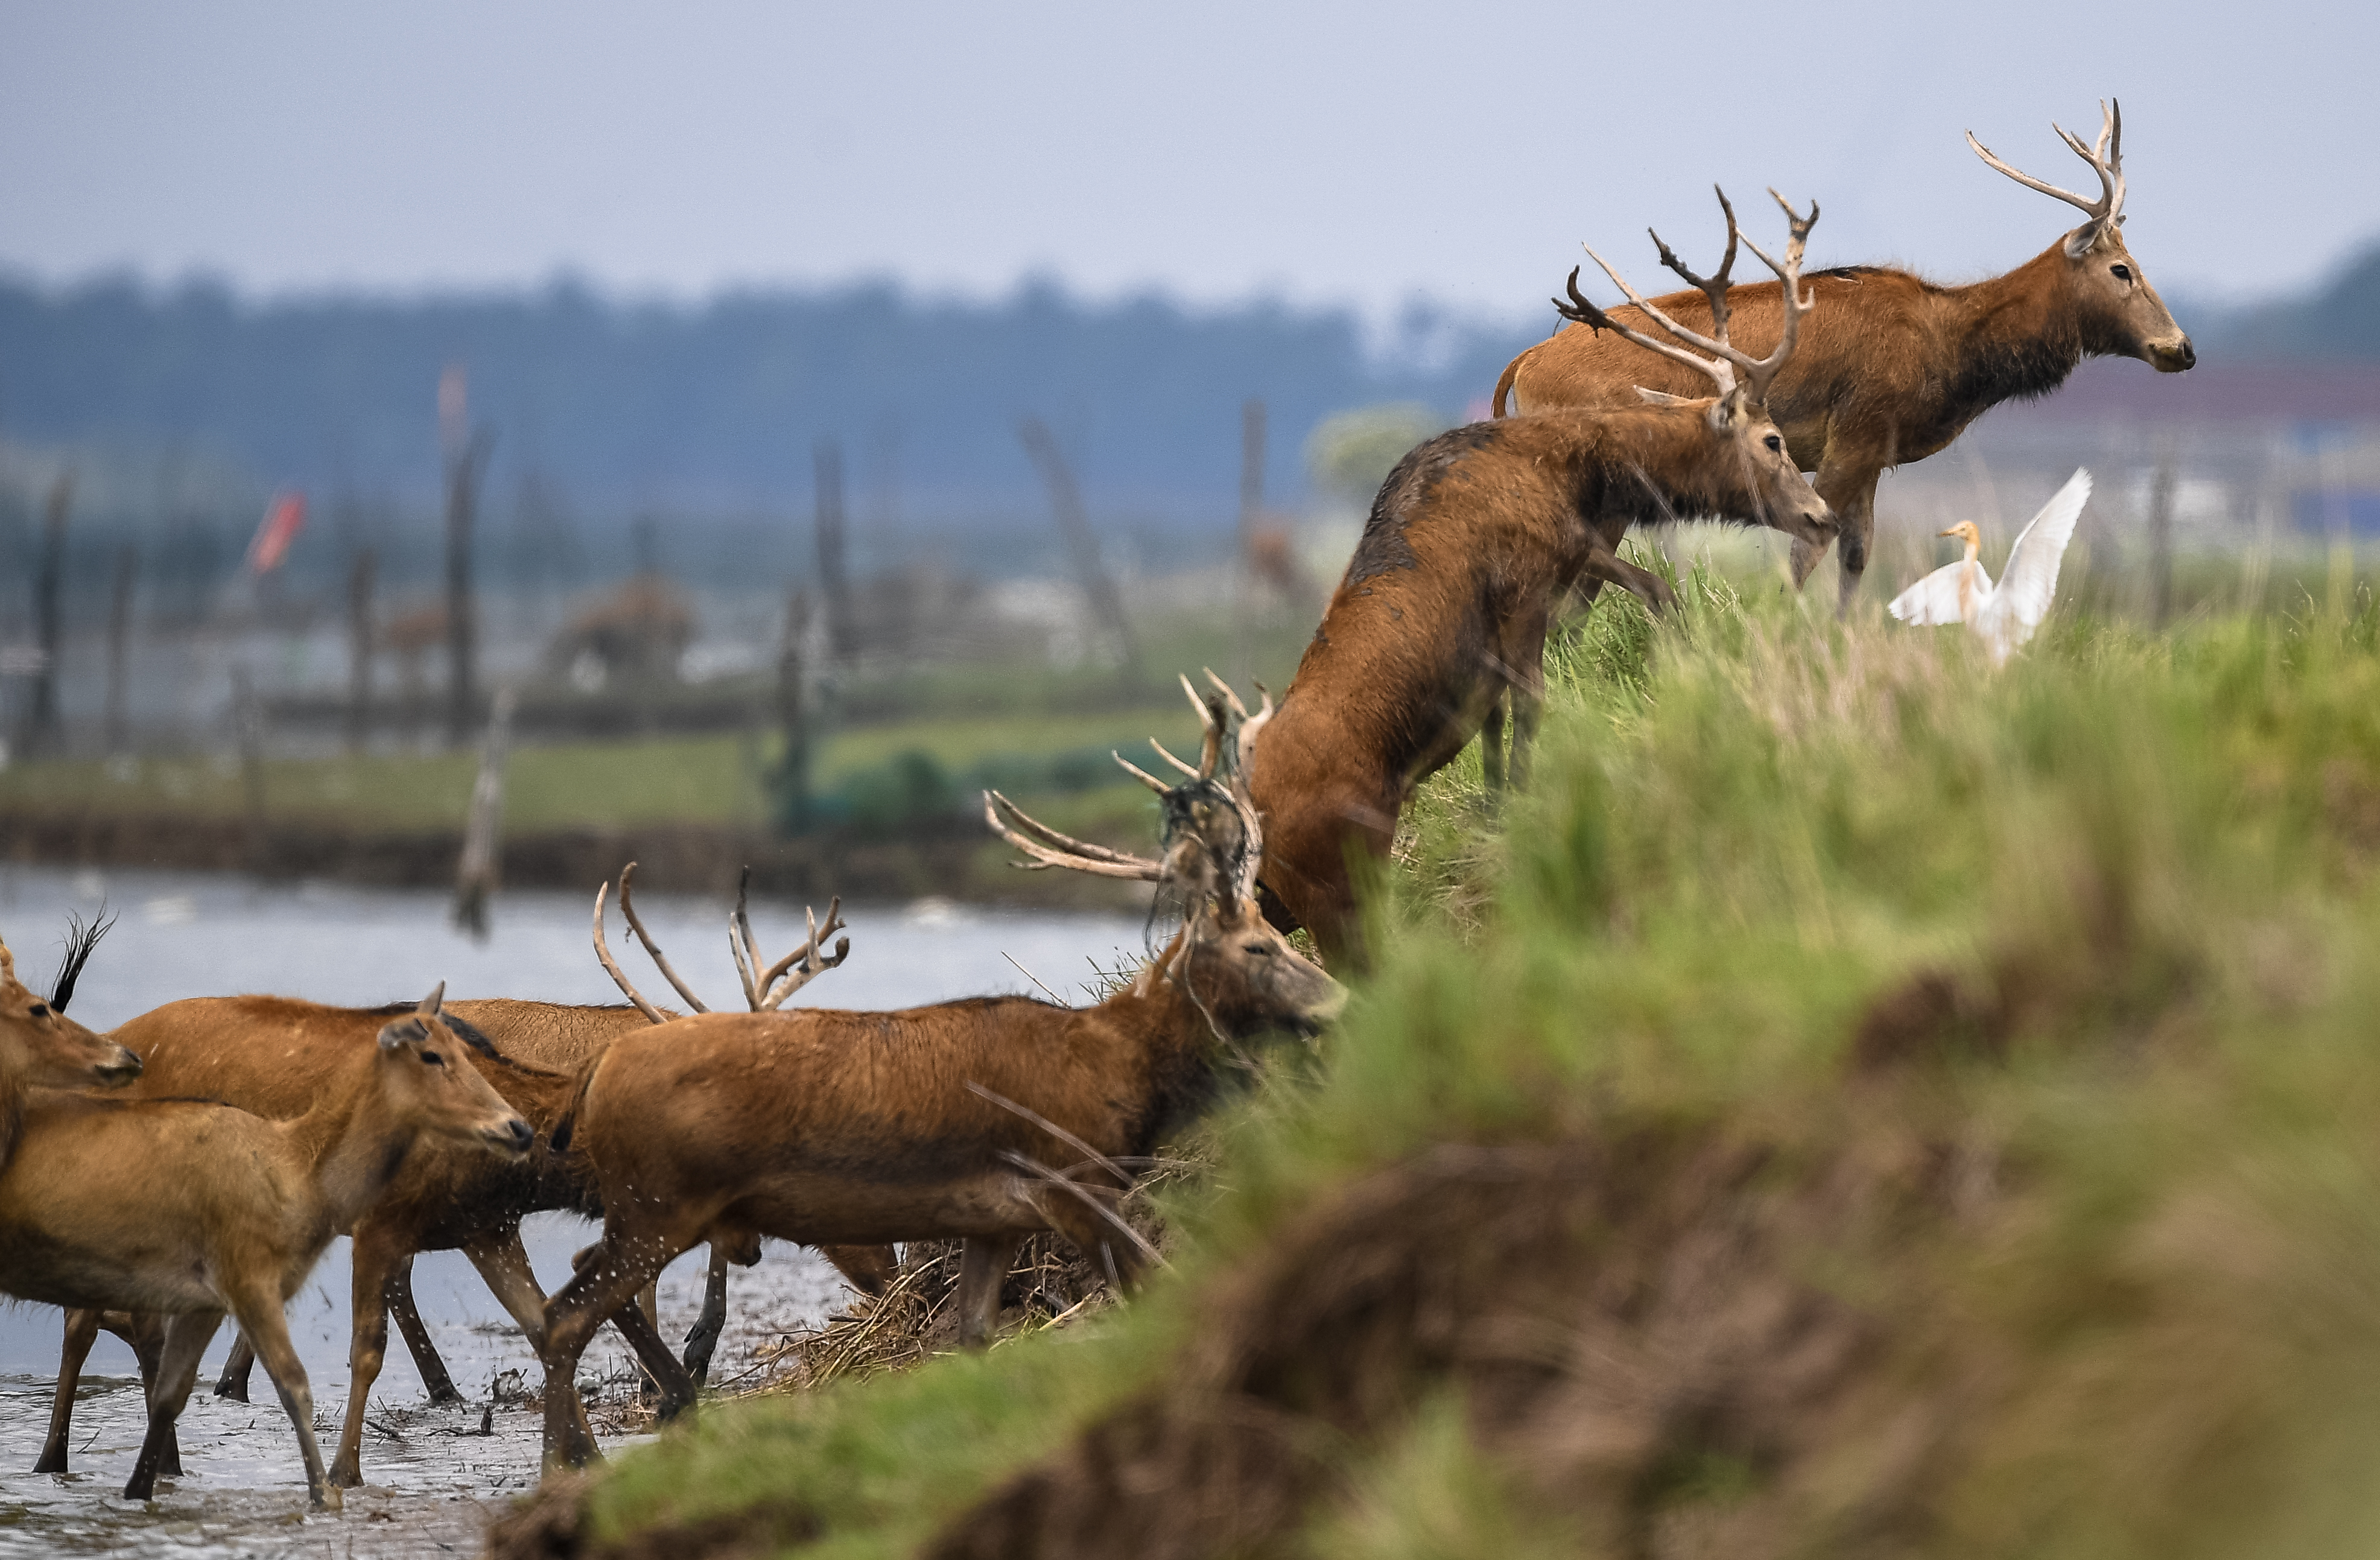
[
  {"x": 2023, "y": 599},
  {"x": 1937, "y": 599}
]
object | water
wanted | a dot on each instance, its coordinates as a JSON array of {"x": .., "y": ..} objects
[{"x": 433, "y": 1479}]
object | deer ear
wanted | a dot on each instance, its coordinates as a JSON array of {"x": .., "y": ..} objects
[
  {"x": 428, "y": 1008},
  {"x": 1661, "y": 397},
  {"x": 404, "y": 1031},
  {"x": 7, "y": 964},
  {"x": 1726, "y": 411}
]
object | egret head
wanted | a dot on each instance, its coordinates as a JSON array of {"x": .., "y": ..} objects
[{"x": 1965, "y": 531}]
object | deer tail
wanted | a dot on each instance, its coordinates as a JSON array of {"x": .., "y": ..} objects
[
  {"x": 569, "y": 1122},
  {"x": 1504, "y": 385}
]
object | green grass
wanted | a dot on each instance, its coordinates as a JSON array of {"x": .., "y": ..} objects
[
  {"x": 711, "y": 779},
  {"x": 2104, "y": 1221}
]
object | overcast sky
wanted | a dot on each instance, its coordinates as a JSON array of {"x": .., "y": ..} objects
[{"x": 1215, "y": 150}]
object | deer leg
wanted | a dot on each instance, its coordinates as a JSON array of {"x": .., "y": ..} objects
[
  {"x": 1491, "y": 748},
  {"x": 602, "y": 1283},
  {"x": 672, "y": 1380},
  {"x": 145, "y": 1331},
  {"x": 82, "y": 1331},
  {"x": 187, "y": 1337},
  {"x": 376, "y": 1257},
  {"x": 702, "y": 1339},
  {"x": 233, "y": 1383},
  {"x": 417, "y": 1336},
  {"x": 1848, "y": 484},
  {"x": 1644, "y": 584},
  {"x": 984, "y": 1262},
  {"x": 260, "y": 1319},
  {"x": 503, "y": 1261},
  {"x": 868, "y": 1269},
  {"x": 1095, "y": 1237}
]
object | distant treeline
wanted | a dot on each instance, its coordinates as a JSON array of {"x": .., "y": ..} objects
[{"x": 715, "y": 408}]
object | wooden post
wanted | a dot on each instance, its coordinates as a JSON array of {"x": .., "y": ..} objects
[
  {"x": 791, "y": 781},
  {"x": 1244, "y": 573},
  {"x": 360, "y": 649},
  {"x": 1082, "y": 543},
  {"x": 2161, "y": 541},
  {"x": 477, "y": 874},
  {"x": 43, "y": 722},
  {"x": 119, "y": 647},
  {"x": 248, "y": 721},
  {"x": 466, "y": 457},
  {"x": 835, "y": 581}
]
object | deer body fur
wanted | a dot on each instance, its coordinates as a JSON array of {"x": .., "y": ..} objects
[
  {"x": 1475, "y": 540},
  {"x": 196, "y": 1209},
  {"x": 1892, "y": 368}
]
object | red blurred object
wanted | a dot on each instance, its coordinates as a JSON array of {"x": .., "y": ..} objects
[{"x": 284, "y": 518}]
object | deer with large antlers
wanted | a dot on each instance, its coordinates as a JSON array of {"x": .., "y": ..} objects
[
  {"x": 983, "y": 1120},
  {"x": 1475, "y": 540},
  {"x": 1895, "y": 368},
  {"x": 196, "y": 1209}
]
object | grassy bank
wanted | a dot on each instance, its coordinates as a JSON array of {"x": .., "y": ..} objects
[{"x": 1854, "y": 1104}]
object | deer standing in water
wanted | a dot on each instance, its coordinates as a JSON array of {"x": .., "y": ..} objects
[
  {"x": 1475, "y": 540},
  {"x": 270, "y": 1055},
  {"x": 1896, "y": 368},
  {"x": 938, "y": 1122},
  {"x": 196, "y": 1209}
]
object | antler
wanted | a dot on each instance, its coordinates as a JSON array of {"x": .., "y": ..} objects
[
  {"x": 1048, "y": 848},
  {"x": 765, "y": 993},
  {"x": 1251, "y": 726},
  {"x": 2106, "y": 159},
  {"x": 1759, "y": 372}
]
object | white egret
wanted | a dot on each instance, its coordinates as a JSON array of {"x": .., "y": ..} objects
[{"x": 2003, "y": 616}]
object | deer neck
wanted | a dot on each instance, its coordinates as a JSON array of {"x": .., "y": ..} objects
[
  {"x": 351, "y": 1144},
  {"x": 2015, "y": 336},
  {"x": 1182, "y": 1052},
  {"x": 12, "y": 1113}
]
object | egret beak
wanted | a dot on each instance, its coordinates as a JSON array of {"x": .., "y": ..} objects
[{"x": 1952, "y": 532}]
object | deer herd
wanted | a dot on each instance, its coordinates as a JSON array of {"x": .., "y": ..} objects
[{"x": 198, "y": 1161}]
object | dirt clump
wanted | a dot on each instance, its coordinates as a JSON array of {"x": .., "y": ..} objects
[{"x": 1631, "y": 1321}]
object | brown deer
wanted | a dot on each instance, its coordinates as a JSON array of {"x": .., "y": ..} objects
[
  {"x": 1896, "y": 368},
  {"x": 269, "y": 1055},
  {"x": 1475, "y": 540},
  {"x": 195, "y": 1209},
  {"x": 939, "y": 1122}
]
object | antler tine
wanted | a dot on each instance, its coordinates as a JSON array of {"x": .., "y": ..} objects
[
  {"x": 1757, "y": 376},
  {"x": 806, "y": 963},
  {"x": 1143, "y": 776},
  {"x": 741, "y": 944},
  {"x": 1225, "y": 689},
  {"x": 652, "y": 948},
  {"x": 2101, "y": 210},
  {"x": 1162, "y": 752},
  {"x": 1712, "y": 288},
  {"x": 1210, "y": 718},
  {"x": 1250, "y": 729},
  {"x": 612, "y": 967},
  {"x": 1062, "y": 850},
  {"x": 1588, "y": 313}
]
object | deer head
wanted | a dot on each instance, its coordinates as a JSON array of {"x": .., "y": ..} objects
[
  {"x": 2122, "y": 314},
  {"x": 1241, "y": 974},
  {"x": 1738, "y": 413},
  {"x": 425, "y": 1084},
  {"x": 39, "y": 1045}
]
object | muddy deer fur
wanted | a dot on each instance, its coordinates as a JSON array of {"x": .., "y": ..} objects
[
  {"x": 194, "y": 1209},
  {"x": 1893, "y": 368},
  {"x": 935, "y": 1123},
  {"x": 1475, "y": 540}
]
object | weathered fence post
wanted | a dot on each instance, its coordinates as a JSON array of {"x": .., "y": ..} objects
[
  {"x": 478, "y": 873},
  {"x": 1082, "y": 543},
  {"x": 834, "y": 579},
  {"x": 119, "y": 648},
  {"x": 43, "y": 721},
  {"x": 360, "y": 649}
]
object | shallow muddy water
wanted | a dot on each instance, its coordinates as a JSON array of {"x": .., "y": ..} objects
[{"x": 434, "y": 1476}]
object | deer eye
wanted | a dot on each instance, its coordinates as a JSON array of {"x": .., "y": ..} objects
[
  {"x": 1255, "y": 950},
  {"x": 434, "y": 1058},
  {"x": 38, "y": 1010},
  {"x": 2121, "y": 272},
  {"x": 1775, "y": 443}
]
